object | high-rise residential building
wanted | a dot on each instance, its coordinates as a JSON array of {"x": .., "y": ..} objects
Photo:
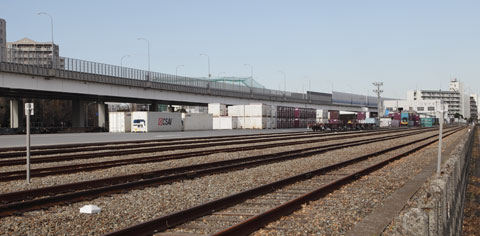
[
  {"x": 3, "y": 40},
  {"x": 455, "y": 98},
  {"x": 29, "y": 52}
]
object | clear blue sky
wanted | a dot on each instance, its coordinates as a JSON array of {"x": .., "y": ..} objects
[{"x": 347, "y": 44}]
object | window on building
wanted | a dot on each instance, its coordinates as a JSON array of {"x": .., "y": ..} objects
[
  {"x": 420, "y": 108},
  {"x": 431, "y": 108}
]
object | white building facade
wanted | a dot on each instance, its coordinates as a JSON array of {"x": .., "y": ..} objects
[
  {"x": 425, "y": 108},
  {"x": 456, "y": 98}
]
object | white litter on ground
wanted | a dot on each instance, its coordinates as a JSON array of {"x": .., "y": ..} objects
[{"x": 90, "y": 209}]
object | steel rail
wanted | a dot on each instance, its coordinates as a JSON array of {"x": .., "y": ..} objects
[
  {"x": 65, "y": 169},
  {"x": 99, "y": 144},
  {"x": 79, "y": 145},
  {"x": 252, "y": 224},
  {"x": 23, "y": 204},
  {"x": 165, "y": 148},
  {"x": 146, "y": 143}
]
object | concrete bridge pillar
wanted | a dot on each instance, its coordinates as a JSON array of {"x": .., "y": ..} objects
[
  {"x": 16, "y": 113},
  {"x": 101, "y": 114},
  {"x": 78, "y": 113}
]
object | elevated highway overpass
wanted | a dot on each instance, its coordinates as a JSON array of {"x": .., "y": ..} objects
[{"x": 83, "y": 82}]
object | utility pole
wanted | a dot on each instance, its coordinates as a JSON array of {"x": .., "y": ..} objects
[{"x": 379, "y": 101}]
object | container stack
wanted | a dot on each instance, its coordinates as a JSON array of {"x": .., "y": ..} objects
[
  {"x": 303, "y": 117},
  {"x": 253, "y": 116},
  {"x": 220, "y": 118},
  {"x": 285, "y": 117}
]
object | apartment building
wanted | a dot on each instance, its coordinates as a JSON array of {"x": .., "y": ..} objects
[
  {"x": 3, "y": 40},
  {"x": 30, "y": 52},
  {"x": 455, "y": 98}
]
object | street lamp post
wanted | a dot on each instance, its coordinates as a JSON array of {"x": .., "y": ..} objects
[
  {"x": 208, "y": 57},
  {"x": 148, "y": 47},
  {"x": 51, "y": 29},
  {"x": 123, "y": 57}
]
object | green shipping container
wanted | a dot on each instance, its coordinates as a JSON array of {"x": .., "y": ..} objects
[{"x": 426, "y": 122}]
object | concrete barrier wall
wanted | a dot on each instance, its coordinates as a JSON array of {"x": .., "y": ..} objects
[{"x": 437, "y": 208}]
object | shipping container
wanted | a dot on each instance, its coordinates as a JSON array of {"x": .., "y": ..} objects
[
  {"x": 361, "y": 116},
  {"x": 217, "y": 109},
  {"x": 333, "y": 115},
  {"x": 143, "y": 121},
  {"x": 256, "y": 122},
  {"x": 385, "y": 122},
  {"x": 395, "y": 123},
  {"x": 236, "y": 110},
  {"x": 197, "y": 121},
  {"x": 371, "y": 121},
  {"x": 258, "y": 110},
  {"x": 119, "y": 122},
  {"x": 427, "y": 122},
  {"x": 225, "y": 122}
]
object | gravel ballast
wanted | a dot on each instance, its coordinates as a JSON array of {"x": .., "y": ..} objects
[{"x": 122, "y": 210}]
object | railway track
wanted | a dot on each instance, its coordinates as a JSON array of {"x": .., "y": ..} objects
[
  {"x": 247, "y": 211},
  {"x": 303, "y": 139},
  {"x": 122, "y": 145},
  {"x": 16, "y": 202},
  {"x": 69, "y": 148},
  {"x": 66, "y": 169}
]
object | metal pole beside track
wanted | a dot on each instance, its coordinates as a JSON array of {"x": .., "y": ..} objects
[
  {"x": 439, "y": 159},
  {"x": 28, "y": 109}
]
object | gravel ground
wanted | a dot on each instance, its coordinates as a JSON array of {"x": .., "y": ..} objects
[
  {"x": 342, "y": 209},
  {"x": 122, "y": 210},
  {"x": 19, "y": 185}
]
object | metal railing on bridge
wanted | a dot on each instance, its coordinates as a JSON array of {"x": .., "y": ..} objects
[{"x": 44, "y": 59}]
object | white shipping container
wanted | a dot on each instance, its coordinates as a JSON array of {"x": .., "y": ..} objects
[
  {"x": 258, "y": 110},
  {"x": 322, "y": 114},
  {"x": 224, "y": 122},
  {"x": 240, "y": 122},
  {"x": 236, "y": 110},
  {"x": 385, "y": 122},
  {"x": 217, "y": 109},
  {"x": 143, "y": 121},
  {"x": 197, "y": 121},
  {"x": 256, "y": 122},
  {"x": 119, "y": 122},
  {"x": 322, "y": 120}
]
